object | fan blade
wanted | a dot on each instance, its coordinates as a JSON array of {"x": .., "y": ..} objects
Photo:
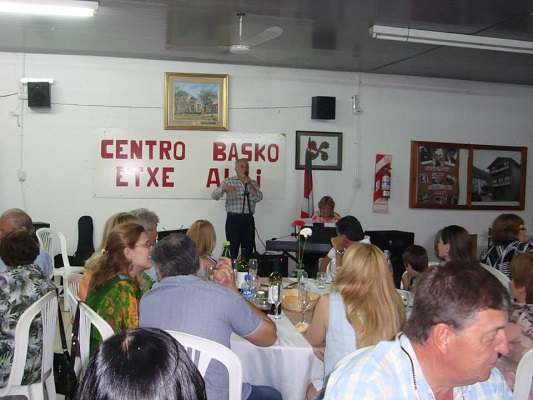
[{"x": 268, "y": 34}]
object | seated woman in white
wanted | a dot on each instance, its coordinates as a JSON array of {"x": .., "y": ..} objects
[{"x": 362, "y": 309}]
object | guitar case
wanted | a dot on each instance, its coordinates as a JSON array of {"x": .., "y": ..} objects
[{"x": 85, "y": 244}]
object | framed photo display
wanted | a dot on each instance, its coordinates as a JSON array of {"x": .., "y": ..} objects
[{"x": 467, "y": 176}]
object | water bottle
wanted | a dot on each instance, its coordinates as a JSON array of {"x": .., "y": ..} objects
[{"x": 248, "y": 288}]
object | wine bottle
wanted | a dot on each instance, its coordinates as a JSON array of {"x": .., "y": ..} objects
[
  {"x": 275, "y": 278},
  {"x": 242, "y": 271},
  {"x": 226, "y": 251}
]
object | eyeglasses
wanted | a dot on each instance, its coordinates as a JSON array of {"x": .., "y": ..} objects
[
  {"x": 522, "y": 228},
  {"x": 146, "y": 244}
]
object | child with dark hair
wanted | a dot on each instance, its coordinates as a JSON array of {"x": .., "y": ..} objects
[{"x": 415, "y": 260}]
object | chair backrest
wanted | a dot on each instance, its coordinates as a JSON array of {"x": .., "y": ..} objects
[
  {"x": 501, "y": 277},
  {"x": 524, "y": 375},
  {"x": 72, "y": 291},
  {"x": 49, "y": 239},
  {"x": 89, "y": 318},
  {"x": 47, "y": 307},
  {"x": 202, "y": 351}
]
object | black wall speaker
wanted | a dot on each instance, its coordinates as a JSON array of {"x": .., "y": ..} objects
[
  {"x": 396, "y": 242},
  {"x": 38, "y": 94},
  {"x": 323, "y": 107}
]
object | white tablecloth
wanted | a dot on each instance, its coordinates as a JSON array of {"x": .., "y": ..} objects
[{"x": 289, "y": 365}]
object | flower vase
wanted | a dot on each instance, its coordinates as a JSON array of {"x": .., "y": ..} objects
[{"x": 299, "y": 269}]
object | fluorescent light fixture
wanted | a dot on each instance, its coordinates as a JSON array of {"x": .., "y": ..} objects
[
  {"x": 450, "y": 39},
  {"x": 72, "y": 8}
]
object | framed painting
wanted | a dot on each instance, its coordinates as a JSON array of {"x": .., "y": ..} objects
[
  {"x": 467, "y": 176},
  {"x": 325, "y": 147},
  {"x": 196, "y": 101}
]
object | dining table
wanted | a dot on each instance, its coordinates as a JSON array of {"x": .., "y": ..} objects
[{"x": 289, "y": 365}]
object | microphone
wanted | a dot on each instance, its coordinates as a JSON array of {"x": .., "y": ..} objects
[
  {"x": 281, "y": 237},
  {"x": 246, "y": 173}
]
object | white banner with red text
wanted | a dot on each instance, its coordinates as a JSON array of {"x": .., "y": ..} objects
[{"x": 184, "y": 165}]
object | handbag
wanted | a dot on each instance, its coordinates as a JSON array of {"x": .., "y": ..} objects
[{"x": 65, "y": 379}]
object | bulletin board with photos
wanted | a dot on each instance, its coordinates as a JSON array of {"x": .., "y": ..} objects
[{"x": 467, "y": 176}]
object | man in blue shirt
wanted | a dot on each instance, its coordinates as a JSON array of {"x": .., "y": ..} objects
[
  {"x": 448, "y": 350},
  {"x": 15, "y": 218},
  {"x": 182, "y": 302}
]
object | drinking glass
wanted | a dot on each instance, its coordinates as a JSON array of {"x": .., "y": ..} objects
[
  {"x": 303, "y": 300},
  {"x": 302, "y": 276},
  {"x": 210, "y": 272},
  {"x": 252, "y": 267},
  {"x": 274, "y": 297},
  {"x": 321, "y": 279},
  {"x": 332, "y": 268}
]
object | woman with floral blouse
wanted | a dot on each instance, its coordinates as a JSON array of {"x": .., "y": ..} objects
[
  {"x": 21, "y": 285},
  {"x": 113, "y": 290}
]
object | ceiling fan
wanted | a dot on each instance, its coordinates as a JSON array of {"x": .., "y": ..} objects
[{"x": 239, "y": 47}]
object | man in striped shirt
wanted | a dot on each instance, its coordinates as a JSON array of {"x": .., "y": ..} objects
[{"x": 449, "y": 348}]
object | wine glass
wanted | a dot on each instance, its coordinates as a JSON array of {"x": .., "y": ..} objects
[
  {"x": 303, "y": 300},
  {"x": 274, "y": 297},
  {"x": 252, "y": 267},
  {"x": 321, "y": 279}
]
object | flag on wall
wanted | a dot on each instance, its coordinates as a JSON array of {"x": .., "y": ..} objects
[{"x": 307, "y": 210}]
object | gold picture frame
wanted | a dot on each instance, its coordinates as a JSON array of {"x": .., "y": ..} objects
[{"x": 196, "y": 101}]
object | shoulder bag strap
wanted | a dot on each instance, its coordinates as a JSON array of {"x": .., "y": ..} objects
[
  {"x": 61, "y": 326},
  {"x": 75, "y": 339}
]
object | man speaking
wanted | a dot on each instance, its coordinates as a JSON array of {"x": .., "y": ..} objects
[{"x": 242, "y": 193}]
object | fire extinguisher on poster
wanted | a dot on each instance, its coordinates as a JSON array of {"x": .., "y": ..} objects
[
  {"x": 385, "y": 183},
  {"x": 382, "y": 177}
]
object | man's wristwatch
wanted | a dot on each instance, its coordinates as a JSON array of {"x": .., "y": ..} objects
[{"x": 341, "y": 252}]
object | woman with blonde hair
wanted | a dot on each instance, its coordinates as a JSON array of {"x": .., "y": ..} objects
[
  {"x": 114, "y": 292},
  {"x": 363, "y": 308},
  {"x": 203, "y": 234},
  {"x": 91, "y": 263},
  {"x": 509, "y": 238}
]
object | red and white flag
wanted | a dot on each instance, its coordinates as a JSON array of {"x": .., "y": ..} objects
[{"x": 308, "y": 209}]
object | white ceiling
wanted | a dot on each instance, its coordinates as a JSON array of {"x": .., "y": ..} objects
[{"x": 317, "y": 34}]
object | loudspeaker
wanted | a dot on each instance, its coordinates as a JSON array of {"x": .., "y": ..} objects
[
  {"x": 396, "y": 242},
  {"x": 38, "y": 94},
  {"x": 323, "y": 107},
  {"x": 266, "y": 263}
]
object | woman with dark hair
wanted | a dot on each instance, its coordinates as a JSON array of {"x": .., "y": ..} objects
[
  {"x": 143, "y": 363},
  {"x": 363, "y": 308},
  {"x": 113, "y": 290},
  {"x": 455, "y": 244},
  {"x": 519, "y": 330},
  {"x": 21, "y": 285},
  {"x": 508, "y": 234}
]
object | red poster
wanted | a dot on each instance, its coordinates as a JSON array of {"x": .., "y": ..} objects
[{"x": 438, "y": 175}]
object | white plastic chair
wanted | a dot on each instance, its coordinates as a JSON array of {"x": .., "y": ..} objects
[
  {"x": 47, "y": 307},
  {"x": 204, "y": 350},
  {"x": 524, "y": 375},
  {"x": 88, "y": 318},
  {"x": 501, "y": 277},
  {"x": 73, "y": 285},
  {"x": 48, "y": 239}
]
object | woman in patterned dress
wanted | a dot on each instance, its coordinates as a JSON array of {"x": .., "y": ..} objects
[
  {"x": 509, "y": 238},
  {"x": 21, "y": 285},
  {"x": 113, "y": 290},
  {"x": 519, "y": 330}
]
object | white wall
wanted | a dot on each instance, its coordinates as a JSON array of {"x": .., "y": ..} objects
[{"x": 54, "y": 146}]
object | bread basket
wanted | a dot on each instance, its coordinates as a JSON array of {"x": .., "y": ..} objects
[{"x": 290, "y": 300}]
